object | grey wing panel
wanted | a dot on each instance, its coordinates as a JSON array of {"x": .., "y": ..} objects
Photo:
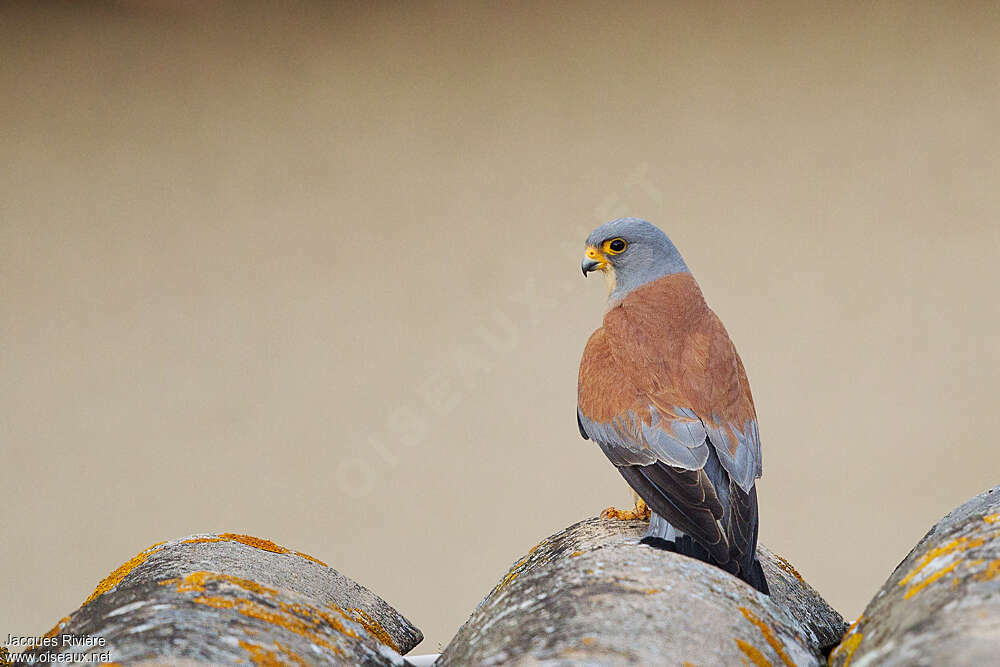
[
  {"x": 681, "y": 443},
  {"x": 626, "y": 440},
  {"x": 618, "y": 440},
  {"x": 743, "y": 465}
]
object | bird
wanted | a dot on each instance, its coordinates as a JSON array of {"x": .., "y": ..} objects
[{"x": 663, "y": 393}]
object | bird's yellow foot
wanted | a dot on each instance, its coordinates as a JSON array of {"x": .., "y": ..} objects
[{"x": 640, "y": 511}]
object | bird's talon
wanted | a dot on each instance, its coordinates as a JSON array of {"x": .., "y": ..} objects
[
  {"x": 610, "y": 513},
  {"x": 638, "y": 512}
]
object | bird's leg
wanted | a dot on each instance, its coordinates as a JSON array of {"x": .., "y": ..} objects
[{"x": 640, "y": 511}]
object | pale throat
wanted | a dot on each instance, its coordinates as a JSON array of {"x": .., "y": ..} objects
[{"x": 610, "y": 278}]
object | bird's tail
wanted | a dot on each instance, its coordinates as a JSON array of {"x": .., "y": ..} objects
[
  {"x": 755, "y": 577},
  {"x": 662, "y": 535},
  {"x": 750, "y": 569}
]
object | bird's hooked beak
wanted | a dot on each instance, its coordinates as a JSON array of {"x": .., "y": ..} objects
[{"x": 593, "y": 260}]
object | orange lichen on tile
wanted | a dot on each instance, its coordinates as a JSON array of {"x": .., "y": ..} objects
[
  {"x": 289, "y": 653},
  {"x": 308, "y": 557},
  {"x": 256, "y": 542},
  {"x": 769, "y": 636},
  {"x": 753, "y": 654},
  {"x": 115, "y": 578},
  {"x": 576, "y": 554},
  {"x": 515, "y": 570},
  {"x": 847, "y": 647},
  {"x": 195, "y": 582},
  {"x": 852, "y": 638},
  {"x": 298, "y": 619},
  {"x": 259, "y": 655},
  {"x": 249, "y": 540},
  {"x": 588, "y": 641},
  {"x": 511, "y": 576},
  {"x": 217, "y": 601},
  {"x": 787, "y": 567},
  {"x": 916, "y": 588},
  {"x": 280, "y": 657},
  {"x": 506, "y": 581},
  {"x": 992, "y": 518},
  {"x": 957, "y": 545},
  {"x": 362, "y": 618},
  {"x": 302, "y": 619},
  {"x": 991, "y": 572}
]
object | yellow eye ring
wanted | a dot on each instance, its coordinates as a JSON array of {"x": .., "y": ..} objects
[{"x": 615, "y": 246}]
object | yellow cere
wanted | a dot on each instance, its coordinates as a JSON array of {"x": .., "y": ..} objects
[{"x": 595, "y": 254}]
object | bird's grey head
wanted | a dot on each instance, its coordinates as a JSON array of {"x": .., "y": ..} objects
[{"x": 630, "y": 252}]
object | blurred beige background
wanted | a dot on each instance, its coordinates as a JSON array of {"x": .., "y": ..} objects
[{"x": 312, "y": 273}]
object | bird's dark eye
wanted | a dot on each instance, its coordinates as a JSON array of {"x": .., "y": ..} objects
[{"x": 615, "y": 246}]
